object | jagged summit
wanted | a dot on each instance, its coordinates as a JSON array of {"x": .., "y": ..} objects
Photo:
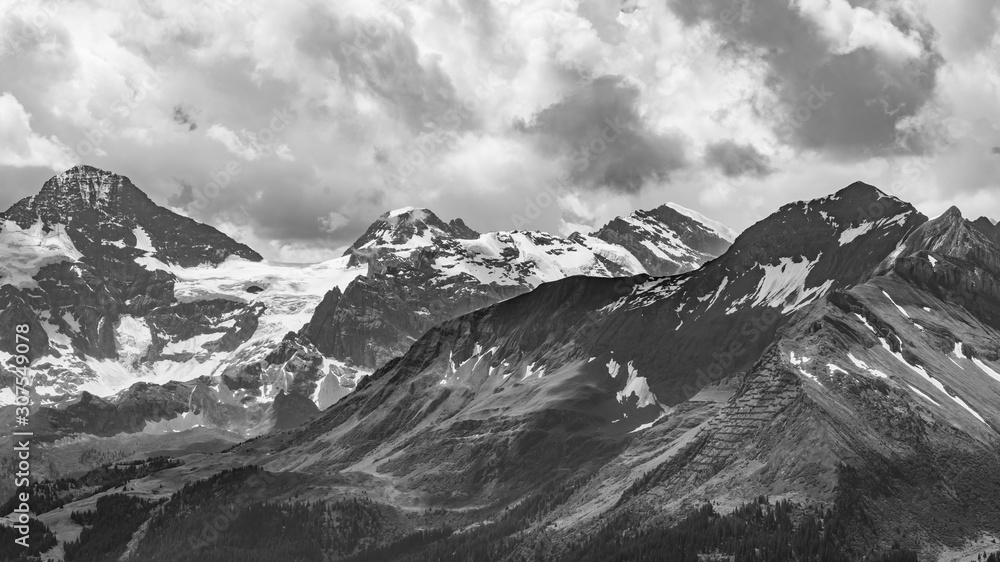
[
  {"x": 861, "y": 189},
  {"x": 668, "y": 239},
  {"x": 107, "y": 217},
  {"x": 416, "y": 261},
  {"x": 722, "y": 230},
  {"x": 856, "y": 202},
  {"x": 94, "y": 185},
  {"x": 945, "y": 238},
  {"x": 410, "y": 227},
  {"x": 989, "y": 227}
]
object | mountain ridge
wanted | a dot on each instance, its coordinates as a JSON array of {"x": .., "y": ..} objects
[
  {"x": 120, "y": 299},
  {"x": 829, "y": 383}
]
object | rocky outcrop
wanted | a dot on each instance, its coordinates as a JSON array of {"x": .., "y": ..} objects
[
  {"x": 665, "y": 241},
  {"x": 109, "y": 219}
]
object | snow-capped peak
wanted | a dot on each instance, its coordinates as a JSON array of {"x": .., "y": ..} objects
[
  {"x": 401, "y": 211},
  {"x": 94, "y": 185},
  {"x": 408, "y": 228},
  {"x": 723, "y": 231}
]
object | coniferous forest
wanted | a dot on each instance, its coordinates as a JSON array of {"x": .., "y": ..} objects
[
  {"x": 214, "y": 520},
  {"x": 41, "y": 540}
]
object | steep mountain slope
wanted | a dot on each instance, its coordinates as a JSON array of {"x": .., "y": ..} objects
[
  {"x": 611, "y": 356},
  {"x": 668, "y": 239},
  {"x": 840, "y": 356},
  {"x": 841, "y": 352},
  {"x": 118, "y": 291},
  {"x": 988, "y": 228},
  {"x": 105, "y": 218},
  {"x": 884, "y": 396},
  {"x": 121, "y": 294}
]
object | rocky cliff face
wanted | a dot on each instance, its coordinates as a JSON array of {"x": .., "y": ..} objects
[
  {"x": 120, "y": 292},
  {"x": 668, "y": 240},
  {"x": 108, "y": 219}
]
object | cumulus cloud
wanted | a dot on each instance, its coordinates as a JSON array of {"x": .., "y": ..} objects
[
  {"x": 563, "y": 113},
  {"x": 735, "y": 159},
  {"x": 21, "y": 147},
  {"x": 377, "y": 56},
  {"x": 843, "y": 77},
  {"x": 599, "y": 131}
]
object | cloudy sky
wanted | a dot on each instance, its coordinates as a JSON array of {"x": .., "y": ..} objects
[{"x": 293, "y": 124}]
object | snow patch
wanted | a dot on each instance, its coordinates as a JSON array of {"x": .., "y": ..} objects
[
  {"x": 852, "y": 234},
  {"x": 798, "y": 360},
  {"x": 783, "y": 285},
  {"x": 183, "y": 422},
  {"x": 922, "y": 395},
  {"x": 723, "y": 231},
  {"x": 987, "y": 369},
  {"x": 613, "y": 368},
  {"x": 401, "y": 211},
  {"x": 194, "y": 344},
  {"x": 936, "y": 383},
  {"x": 638, "y": 387},
  {"x": 134, "y": 338},
  {"x": 903, "y": 312},
  {"x": 865, "y": 321},
  {"x": 7, "y": 396},
  {"x": 864, "y": 366},
  {"x": 142, "y": 240},
  {"x": 25, "y": 251}
]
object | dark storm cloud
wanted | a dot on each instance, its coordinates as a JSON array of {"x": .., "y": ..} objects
[
  {"x": 376, "y": 56},
  {"x": 182, "y": 198},
  {"x": 735, "y": 159},
  {"x": 183, "y": 117},
  {"x": 301, "y": 209},
  {"x": 599, "y": 129},
  {"x": 845, "y": 104}
]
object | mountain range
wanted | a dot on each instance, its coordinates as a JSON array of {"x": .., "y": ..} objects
[
  {"x": 145, "y": 320},
  {"x": 823, "y": 386}
]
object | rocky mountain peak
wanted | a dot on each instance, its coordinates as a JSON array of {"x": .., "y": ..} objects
[
  {"x": 854, "y": 217},
  {"x": 106, "y": 217},
  {"x": 950, "y": 235},
  {"x": 668, "y": 239},
  {"x": 94, "y": 186},
  {"x": 723, "y": 231},
  {"x": 410, "y": 227},
  {"x": 862, "y": 190},
  {"x": 989, "y": 228}
]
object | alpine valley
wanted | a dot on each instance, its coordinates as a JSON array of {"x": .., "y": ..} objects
[{"x": 823, "y": 386}]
